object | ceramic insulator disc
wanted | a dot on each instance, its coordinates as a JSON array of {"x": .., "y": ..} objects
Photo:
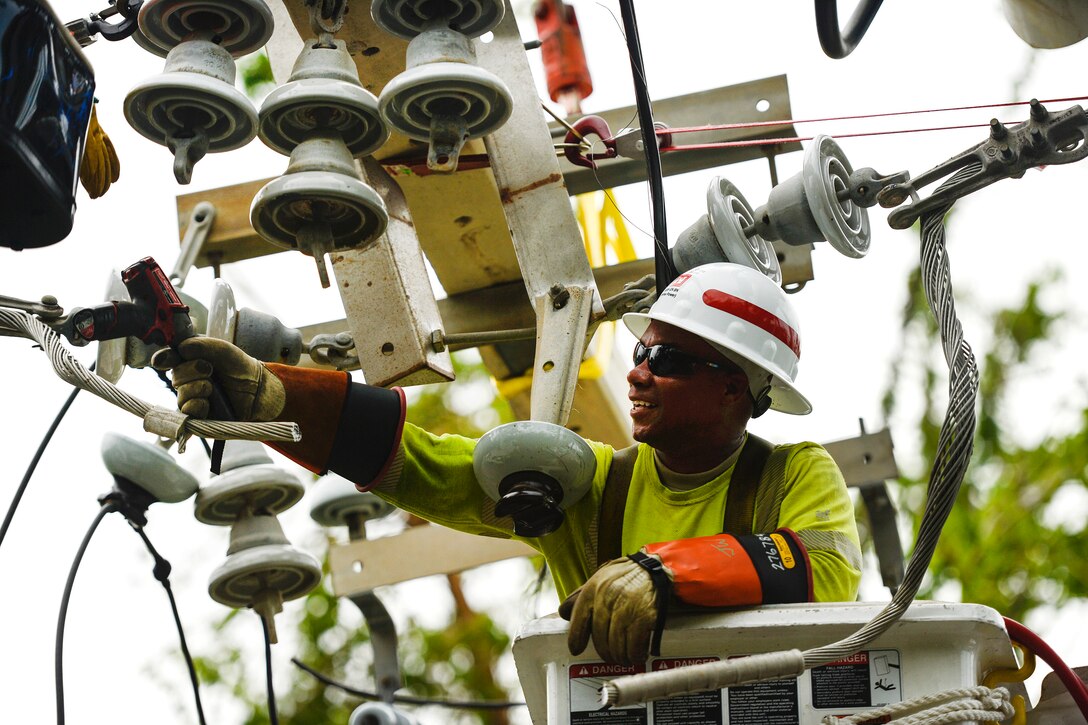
[
  {"x": 408, "y": 18},
  {"x": 291, "y": 112},
  {"x": 170, "y": 102},
  {"x": 239, "y": 26},
  {"x": 245, "y": 575},
  {"x": 149, "y": 467},
  {"x": 844, "y": 224},
  {"x": 729, "y": 214},
  {"x": 334, "y": 498},
  {"x": 411, "y": 99},
  {"x": 356, "y": 215},
  {"x": 262, "y": 488}
]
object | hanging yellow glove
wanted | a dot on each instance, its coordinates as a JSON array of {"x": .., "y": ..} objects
[{"x": 100, "y": 166}]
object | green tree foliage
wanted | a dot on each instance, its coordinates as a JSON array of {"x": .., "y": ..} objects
[
  {"x": 1001, "y": 546},
  {"x": 455, "y": 661},
  {"x": 255, "y": 72}
]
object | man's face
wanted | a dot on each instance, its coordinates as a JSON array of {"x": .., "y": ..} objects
[{"x": 673, "y": 414}]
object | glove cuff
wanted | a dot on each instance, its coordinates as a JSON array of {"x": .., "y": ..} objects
[
  {"x": 314, "y": 400},
  {"x": 662, "y": 591},
  {"x": 734, "y": 571},
  {"x": 368, "y": 435}
]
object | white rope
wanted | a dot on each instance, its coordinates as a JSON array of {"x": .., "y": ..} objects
[
  {"x": 954, "y": 446},
  {"x": 970, "y": 704},
  {"x": 23, "y": 324}
]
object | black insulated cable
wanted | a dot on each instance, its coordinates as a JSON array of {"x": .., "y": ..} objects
[
  {"x": 273, "y": 718},
  {"x": 407, "y": 699},
  {"x": 162, "y": 574},
  {"x": 34, "y": 462},
  {"x": 664, "y": 271},
  {"x": 58, "y": 653},
  {"x": 838, "y": 43}
]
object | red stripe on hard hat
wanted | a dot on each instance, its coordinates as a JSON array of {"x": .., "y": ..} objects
[{"x": 761, "y": 318}]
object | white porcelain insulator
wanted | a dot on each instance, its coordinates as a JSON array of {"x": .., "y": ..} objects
[
  {"x": 412, "y": 99},
  {"x": 149, "y": 467},
  {"x": 223, "y": 312},
  {"x": 729, "y": 213},
  {"x": 334, "y": 500},
  {"x": 844, "y": 224},
  {"x": 320, "y": 186},
  {"x": 250, "y": 575},
  {"x": 408, "y": 18},
  {"x": 239, "y": 26},
  {"x": 194, "y": 94},
  {"x": 323, "y": 92},
  {"x": 252, "y": 489},
  {"x": 530, "y": 445}
]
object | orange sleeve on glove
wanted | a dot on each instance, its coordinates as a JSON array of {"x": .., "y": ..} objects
[
  {"x": 732, "y": 571},
  {"x": 315, "y": 400}
]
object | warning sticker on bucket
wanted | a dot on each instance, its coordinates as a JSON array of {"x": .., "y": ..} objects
[
  {"x": 699, "y": 708},
  {"x": 765, "y": 703},
  {"x": 865, "y": 679},
  {"x": 586, "y": 681}
]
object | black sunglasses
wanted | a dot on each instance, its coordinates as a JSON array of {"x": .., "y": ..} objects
[{"x": 666, "y": 361}]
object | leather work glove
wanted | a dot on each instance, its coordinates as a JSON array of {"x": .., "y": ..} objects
[
  {"x": 253, "y": 393},
  {"x": 623, "y": 606},
  {"x": 100, "y": 166}
]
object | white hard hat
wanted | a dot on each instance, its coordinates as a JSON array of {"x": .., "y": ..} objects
[{"x": 746, "y": 317}]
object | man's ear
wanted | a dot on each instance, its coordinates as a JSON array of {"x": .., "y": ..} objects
[{"x": 736, "y": 384}]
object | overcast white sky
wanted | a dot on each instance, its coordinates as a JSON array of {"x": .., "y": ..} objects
[{"x": 919, "y": 55}]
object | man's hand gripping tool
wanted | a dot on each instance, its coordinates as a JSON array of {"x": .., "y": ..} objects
[{"x": 156, "y": 315}]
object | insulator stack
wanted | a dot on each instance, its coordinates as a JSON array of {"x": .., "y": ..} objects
[
  {"x": 442, "y": 97},
  {"x": 263, "y": 570},
  {"x": 323, "y": 119},
  {"x": 824, "y": 202},
  {"x": 192, "y": 107}
]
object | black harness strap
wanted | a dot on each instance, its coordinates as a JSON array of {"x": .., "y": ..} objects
[
  {"x": 740, "y": 501},
  {"x": 613, "y": 503},
  {"x": 740, "y": 504}
]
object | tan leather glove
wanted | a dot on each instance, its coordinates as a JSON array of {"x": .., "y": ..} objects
[
  {"x": 620, "y": 606},
  {"x": 253, "y": 393}
]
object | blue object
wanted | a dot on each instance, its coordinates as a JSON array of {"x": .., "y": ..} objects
[{"x": 46, "y": 95}]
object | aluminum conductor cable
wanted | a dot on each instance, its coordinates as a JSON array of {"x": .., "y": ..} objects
[
  {"x": 17, "y": 322},
  {"x": 954, "y": 447}
]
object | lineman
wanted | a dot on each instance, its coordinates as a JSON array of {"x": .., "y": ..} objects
[{"x": 700, "y": 512}]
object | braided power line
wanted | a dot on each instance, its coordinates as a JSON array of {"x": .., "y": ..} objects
[
  {"x": 953, "y": 455},
  {"x": 23, "y": 324}
]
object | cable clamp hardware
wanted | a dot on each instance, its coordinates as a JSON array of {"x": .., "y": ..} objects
[{"x": 1045, "y": 138}]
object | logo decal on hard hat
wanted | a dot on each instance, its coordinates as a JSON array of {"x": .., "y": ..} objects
[
  {"x": 670, "y": 291},
  {"x": 767, "y": 321}
]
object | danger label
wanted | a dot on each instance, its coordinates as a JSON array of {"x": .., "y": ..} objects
[
  {"x": 865, "y": 679},
  {"x": 586, "y": 681},
  {"x": 700, "y": 708}
]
